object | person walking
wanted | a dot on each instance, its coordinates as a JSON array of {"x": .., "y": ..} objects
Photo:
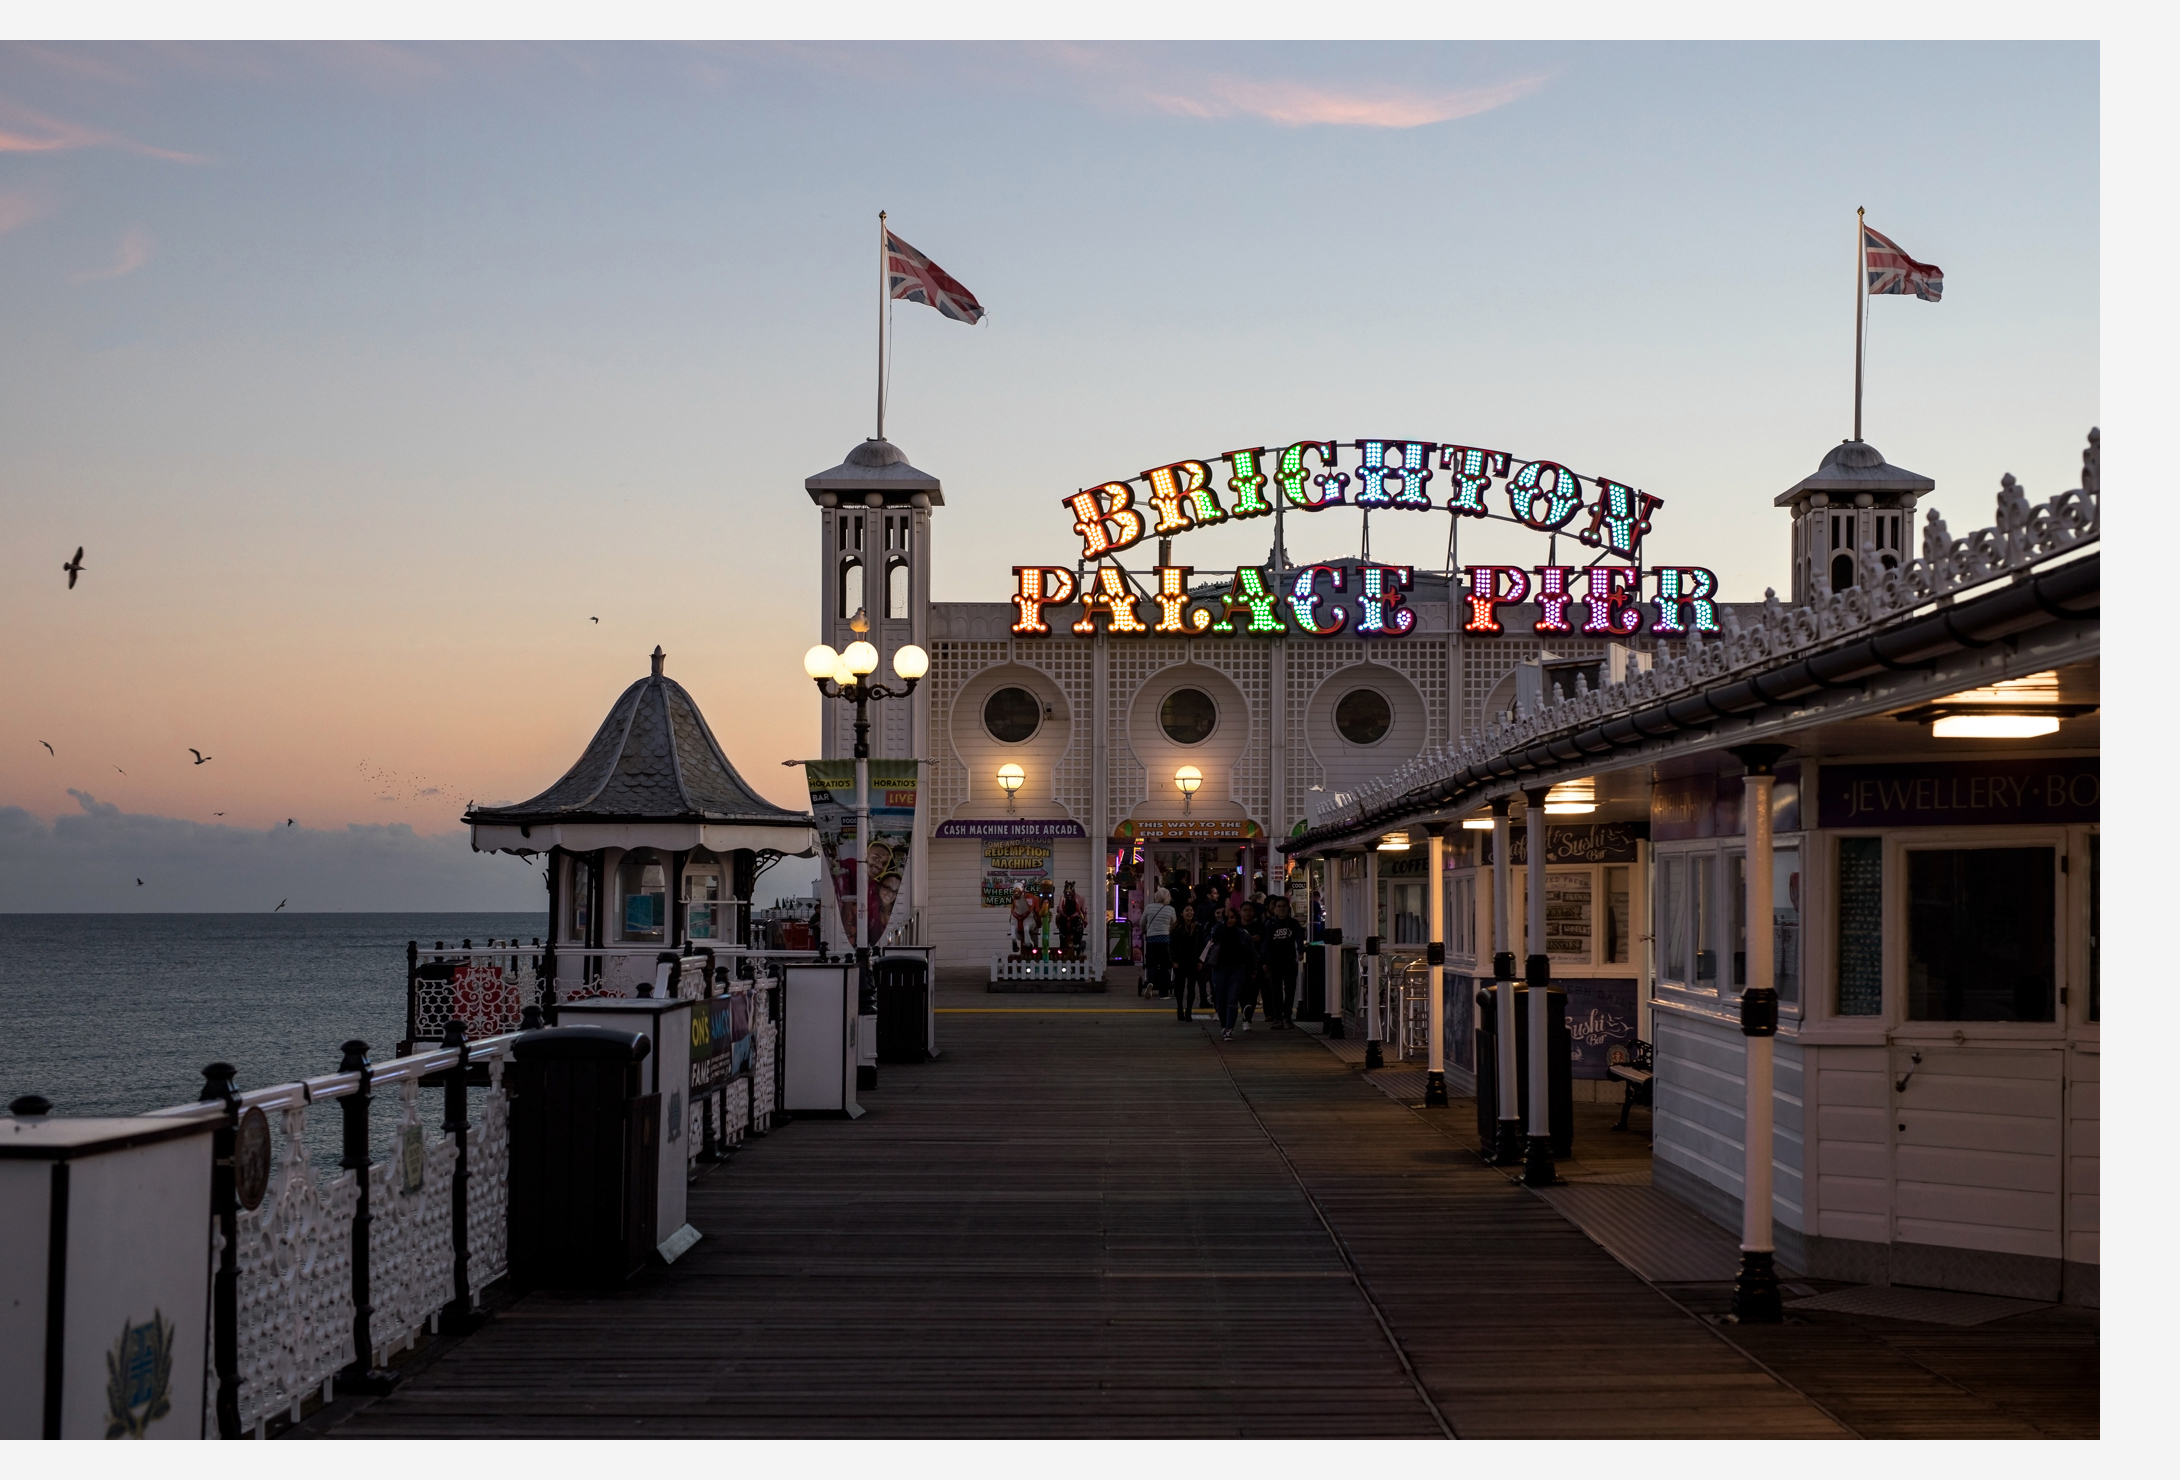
[
  {"x": 1187, "y": 946},
  {"x": 1231, "y": 956},
  {"x": 1282, "y": 959},
  {"x": 1246, "y": 916},
  {"x": 1158, "y": 923}
]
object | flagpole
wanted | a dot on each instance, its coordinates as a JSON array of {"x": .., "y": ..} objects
[
  {"x": 881, "y": 334},
  {"x": 1862, "y": 282}
]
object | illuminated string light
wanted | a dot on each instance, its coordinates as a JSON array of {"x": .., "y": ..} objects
[
  {"x": 1619, "y": 519},
  {"x": 1170, "y": 500},
  {"x": 1307, "y": 596},
  {"x": 1111, "y": 594},
  {"x": 1549, "y": 484},
  {"x": 1612, "y": 591},
  {"x": 1172, "y": 599},
  {"x": 1383, "y": 615},
  {"x": 1689, "y": 585},
  {"x": 1031, "y": 596},
  {"x": 1093, "y": 519},
  {"x": 1247, "y": 482},
  {"x": 1473, "y": 468},
  {"x": 1553, "y": 595},
  {"x": 1489, "y": 588},
  {"x": 1408, "y": 477},
  {"x": 1294, "y": 480},
  {"x": 1252, "y": 588}
]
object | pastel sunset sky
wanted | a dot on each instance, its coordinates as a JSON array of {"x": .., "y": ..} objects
[{"x": 367, "y": 375}]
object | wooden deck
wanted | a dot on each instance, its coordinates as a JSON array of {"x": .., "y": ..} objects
[{"x": 1088, "y": 1219}]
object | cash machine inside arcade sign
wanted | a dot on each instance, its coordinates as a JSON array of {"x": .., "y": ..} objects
[{"x": 1388, "y": 475}]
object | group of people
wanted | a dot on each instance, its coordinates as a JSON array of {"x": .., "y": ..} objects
[
  {"x": 1035, "y": 915},
  {"x": 1213, "y": 945}
]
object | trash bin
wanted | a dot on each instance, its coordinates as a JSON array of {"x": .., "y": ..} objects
[
  {"x": 668, "y": 1022},
  {"x": 584, "y": 1159},
  {"x": 904, "y": 1010},
  {"x": 1313, "y": 982},
  {"x": 1560, "y": 1055}
]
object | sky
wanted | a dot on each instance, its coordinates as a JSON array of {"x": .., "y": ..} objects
[{"x": 367, "y": 375}]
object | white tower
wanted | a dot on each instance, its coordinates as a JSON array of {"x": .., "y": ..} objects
[{"x": 1855, "y": 498}]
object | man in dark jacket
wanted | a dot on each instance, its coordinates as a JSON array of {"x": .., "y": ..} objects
[
  {"x": 1282, "y": 956},
  {"x": 1233, "y": 957}
]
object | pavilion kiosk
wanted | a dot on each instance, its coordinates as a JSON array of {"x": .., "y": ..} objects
[
  {"x": 652, "y": 841},
  {"x": 105, "y": 1300}
]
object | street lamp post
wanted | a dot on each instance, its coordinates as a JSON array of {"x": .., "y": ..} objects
[
  {"x": 1756, "y": 1288},
  {"x": 1508, "y": 1149},
  {"x": 849, "y": 673}
]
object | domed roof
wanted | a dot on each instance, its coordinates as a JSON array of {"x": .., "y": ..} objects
[
  {"x": 1856, "y": 467},
  {"x": 653, "y": 760},
  {"x": 874, "y": 466}
]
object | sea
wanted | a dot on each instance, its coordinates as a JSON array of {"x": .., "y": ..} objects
[{"x": 119, "y": 1014}]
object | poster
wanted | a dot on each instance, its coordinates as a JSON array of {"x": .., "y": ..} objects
[
  {"x": 1600, "y": 1023},
  {"x": 892, "y": 825},
  {"x": 1009, "y": 866}
]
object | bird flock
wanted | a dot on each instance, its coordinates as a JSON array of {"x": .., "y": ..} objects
[{"x": 390, "y": 784}]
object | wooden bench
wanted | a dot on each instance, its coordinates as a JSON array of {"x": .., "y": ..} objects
[{"x": 1638, "y": 1075}]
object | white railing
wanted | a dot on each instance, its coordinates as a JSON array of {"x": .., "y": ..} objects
[
  {"x": 1004, "y": 970},
  {"x": 2024, "y": 537}
]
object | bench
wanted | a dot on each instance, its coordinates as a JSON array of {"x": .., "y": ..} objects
[{"x": 1638, "y": 1075}]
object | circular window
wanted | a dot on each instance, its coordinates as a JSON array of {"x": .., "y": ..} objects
[
  {"x": 1363, "y": 717},
  {"x": 1012, "y": 715},
  {"x": 1188, "y": 716}
]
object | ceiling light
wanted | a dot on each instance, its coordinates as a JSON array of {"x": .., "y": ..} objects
[
  {"x": 1571, "y": 797},
  {"x": 1476, "y": 824},
  {"x": 1993, "y": 726},
  {"x": 1393, "y": 843}
]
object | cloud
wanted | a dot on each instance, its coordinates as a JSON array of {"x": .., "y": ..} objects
[
  {"x": 134, "y": 252},
  {"x": 91, "y": 860},
  {"x": 1225, "y": 96},
  {"x": 21, "y": 207},
  {"x": 25, "y": 132}
]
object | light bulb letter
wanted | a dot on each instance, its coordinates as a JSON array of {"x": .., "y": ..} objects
[
  {"x": 1383, "y": 612},
  {"x": 1246, "y": 482},
  {"x": 1108, "y": 526},
  {"x": 1111, "y": 594},
  {"x": 1555, "y": 592},
  {"x": 1473, "y": 468},
  {"x": 1611, "y": 595},
  {"x": 1309, "y": 591},
  {"x": 1171, "y": 499},
  {"x": 1252, "y": 592},
  {"x": 1619, "y": 519},
  {"x": 1489, "y": 588},
  {"x": 1035, "y": 588},
  {"x": 1407, "y": 478},
  {"x": 1686, "y": 585},
  {"x": 1294, "y": 480},
  {"x": 1172, "y": 599},
  {"x": 1547, "y": 484}
]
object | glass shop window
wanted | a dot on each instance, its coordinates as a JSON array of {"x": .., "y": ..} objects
[
  {"x": 1981, "y": 935},
  {"x": 1461, "y": 917},
  {"x": 1673, "y": 920},
  {"x": 702, "y": 893},
  {"x": 1737, "y": 874},
  {"x": 643, "y": 897},
  {"x": 1569, "y": 914},
  {"x": 579, "y": 900},
  {"x": 1861, "y": 927},
  {"x": 1404, "y": 907},
  {"x": 1618, "y": 918},
  {"x": 1786, "y": 923},
  {"x": 1704, "y": 867}
]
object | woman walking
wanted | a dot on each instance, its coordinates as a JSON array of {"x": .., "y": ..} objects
[
  {"x": 1157, "y": 947},
  {"x": 1232, "y": 957},
  {"x": 1187, "y": 946}
]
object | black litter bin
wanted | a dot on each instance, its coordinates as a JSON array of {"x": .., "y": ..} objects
[
  {"x": 584, "y": 1160},
  {"x": 904, "y": 1009},
  {"x": 1559, "y": 1046},
  {"x": 1313, "y": 982}
]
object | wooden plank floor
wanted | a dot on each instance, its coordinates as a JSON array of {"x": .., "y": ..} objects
[{"x": 1088, "y": 1219}]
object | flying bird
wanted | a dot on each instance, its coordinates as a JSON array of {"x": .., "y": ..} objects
[
  {"x": 49, "y": 750},
  {"x": 219, "y": 814},
  {"x": 291, "y": 822},
  {"x": 200, "y": 755},
  {"x": 74, "y": 568},
  {"x": 139, "y": 883},
  {"x": 594, "y": 621},
  {"x": 280, "y": 906},
  {"x": 117, "y": 768}
]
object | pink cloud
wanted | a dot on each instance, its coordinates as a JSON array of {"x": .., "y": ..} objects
[
  {"x": 134, "y": 252},
  {"x": 25, "y": 132},
  {"x": 1224, "y": 96},
  {"x": 21, "y": 207}
]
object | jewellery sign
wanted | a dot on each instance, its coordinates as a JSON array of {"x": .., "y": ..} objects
[
  {"x": 892, "y": 826},
  {"x": 1389, "y": 475},
  {"x": 1958, "y": 793}
]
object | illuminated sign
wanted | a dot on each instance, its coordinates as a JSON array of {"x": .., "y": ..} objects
[
  {"x": 1389, "y": 474},
  {"x": 1375, "y": 600}
]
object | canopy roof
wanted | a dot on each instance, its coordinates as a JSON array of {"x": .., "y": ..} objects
[
  {"x": 1856, "y": 467},
  {"x": 653, "y": 760},
  {"x": 874, "y": 466}
]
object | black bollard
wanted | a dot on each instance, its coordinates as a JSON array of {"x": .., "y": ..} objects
[
  {"x": 219, "y": 1084},
  {"x": 356, "y": 1157},
  {"x": 456, "y": 1125}
]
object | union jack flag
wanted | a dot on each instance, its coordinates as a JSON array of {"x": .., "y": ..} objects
[
  {"x": 915, "y": 277},
  {"x": 1894, "y": 271}
]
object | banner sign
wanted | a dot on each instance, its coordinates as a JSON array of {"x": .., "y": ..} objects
[
  {"x": 1973, "y": 793},
  {"x": 1010, "y": 867},
  {"x": 1208, "y": 830},
  {"x": 1011, "y": 827},
  {"x": 1589, "y": 842},
  {"x": 879, "y": 885}
]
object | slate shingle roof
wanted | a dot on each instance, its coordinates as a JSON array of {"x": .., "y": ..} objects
[{"x": 653, "y": 760}]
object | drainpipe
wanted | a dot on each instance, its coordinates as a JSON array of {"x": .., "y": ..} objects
[
  {"x": 1508, "y": 1150},
  {"x": 1434, "y": 1079},
  {"x": 1756, "y": 1288}
]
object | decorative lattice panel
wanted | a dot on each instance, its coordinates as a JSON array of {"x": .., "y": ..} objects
[
  {"x": 1129, "y": 665},
  {"x": 1485, "y": 661},
  {"x": 952, "y": 666},
  {"x": 1068, "y": 664},
  {"x": 1249, "y": 665}
]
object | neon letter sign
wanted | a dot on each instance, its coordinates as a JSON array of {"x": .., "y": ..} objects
[
  {"x": 1247, "y": 482},
  {"x": 1689, "y": 584},
  {"x": 1172, "y": 599},
  {"x": 1473, "y": 468},
  {"x": 1382, "y": 612},
  {"x": 1294, "y": 479},
  {"x": 1486, "y": 594},
  {"x": 1611, "y": 597},
  {"x": 1110, "y": 593},
  {"x": 1306, "y": 598},
  {"x": 1620, "y": 518},
  {"x": 1409, "y": 476},
  {"x": 1031, "y": 597},
  {"x": 1553, "y": 596},
  {"x": 1550, "y": 484},
  {"x": 1252, "y": 589},
  {"x": 1091, "y": 519}
]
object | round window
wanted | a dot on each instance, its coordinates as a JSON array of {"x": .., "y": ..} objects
[
  {"x": 1188, "y": 716},
  {"x": 1012, "y": 715},
  {"x": 1363, "y": 717}
]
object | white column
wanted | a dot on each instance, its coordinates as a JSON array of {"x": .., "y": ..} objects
[
  {"x": 1373, "y": 1014},
  {"x": 1434, "y": 1083},
  {"x": 1503, "y": 970},
  {"x": 1335, "y": 933},
  {"x": 1538, "y": 1169},
  {"x": 1757, "y": 1149}
]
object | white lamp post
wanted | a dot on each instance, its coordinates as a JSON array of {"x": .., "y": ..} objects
[
  {"x": 1756, "y": 1288},
  {"x": 848, "y": 671}
]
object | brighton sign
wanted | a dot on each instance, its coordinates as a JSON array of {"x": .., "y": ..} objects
[{"x": 1389, "y": 475}]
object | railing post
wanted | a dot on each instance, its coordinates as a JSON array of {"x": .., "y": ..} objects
[
  {"x": 412, "y": 992},
  {"x": 457, "y": 1126},
  {"x": 219, "y": 1084},
  {"x": 548, "y": 998},
  {"x": 356, "y": 1157}
]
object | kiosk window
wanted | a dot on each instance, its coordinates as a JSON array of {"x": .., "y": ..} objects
[
  {"x": 1705, "y": 869},
  {"x": 1861, "y": 927},
  {"x": 1673, "y": 917},
  {"x": 643, "y": 898},
  {"x": 1981, "y": 944},
  {"x": 1786, "y": 924}
]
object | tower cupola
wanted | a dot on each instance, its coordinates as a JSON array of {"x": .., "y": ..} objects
[{"x": 1854, "y": 498}]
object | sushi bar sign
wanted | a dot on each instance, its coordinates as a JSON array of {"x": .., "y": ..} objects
[{"x": 1361, "y": 599}]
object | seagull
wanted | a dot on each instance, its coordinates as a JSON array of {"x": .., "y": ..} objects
[
  {"x": 139, "y": 883},
  {"x": 49, "y": 750},
  {"x": 200, "y": 755},
  {"x": 594, "y": 621},
  {"x": 74, "y": 568},
  {"x": 219, "y": 814},
  {"x": 117, "y": 768},
  {"x": 280, "y": 906},
  {"x": 291, "y": 822}
]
